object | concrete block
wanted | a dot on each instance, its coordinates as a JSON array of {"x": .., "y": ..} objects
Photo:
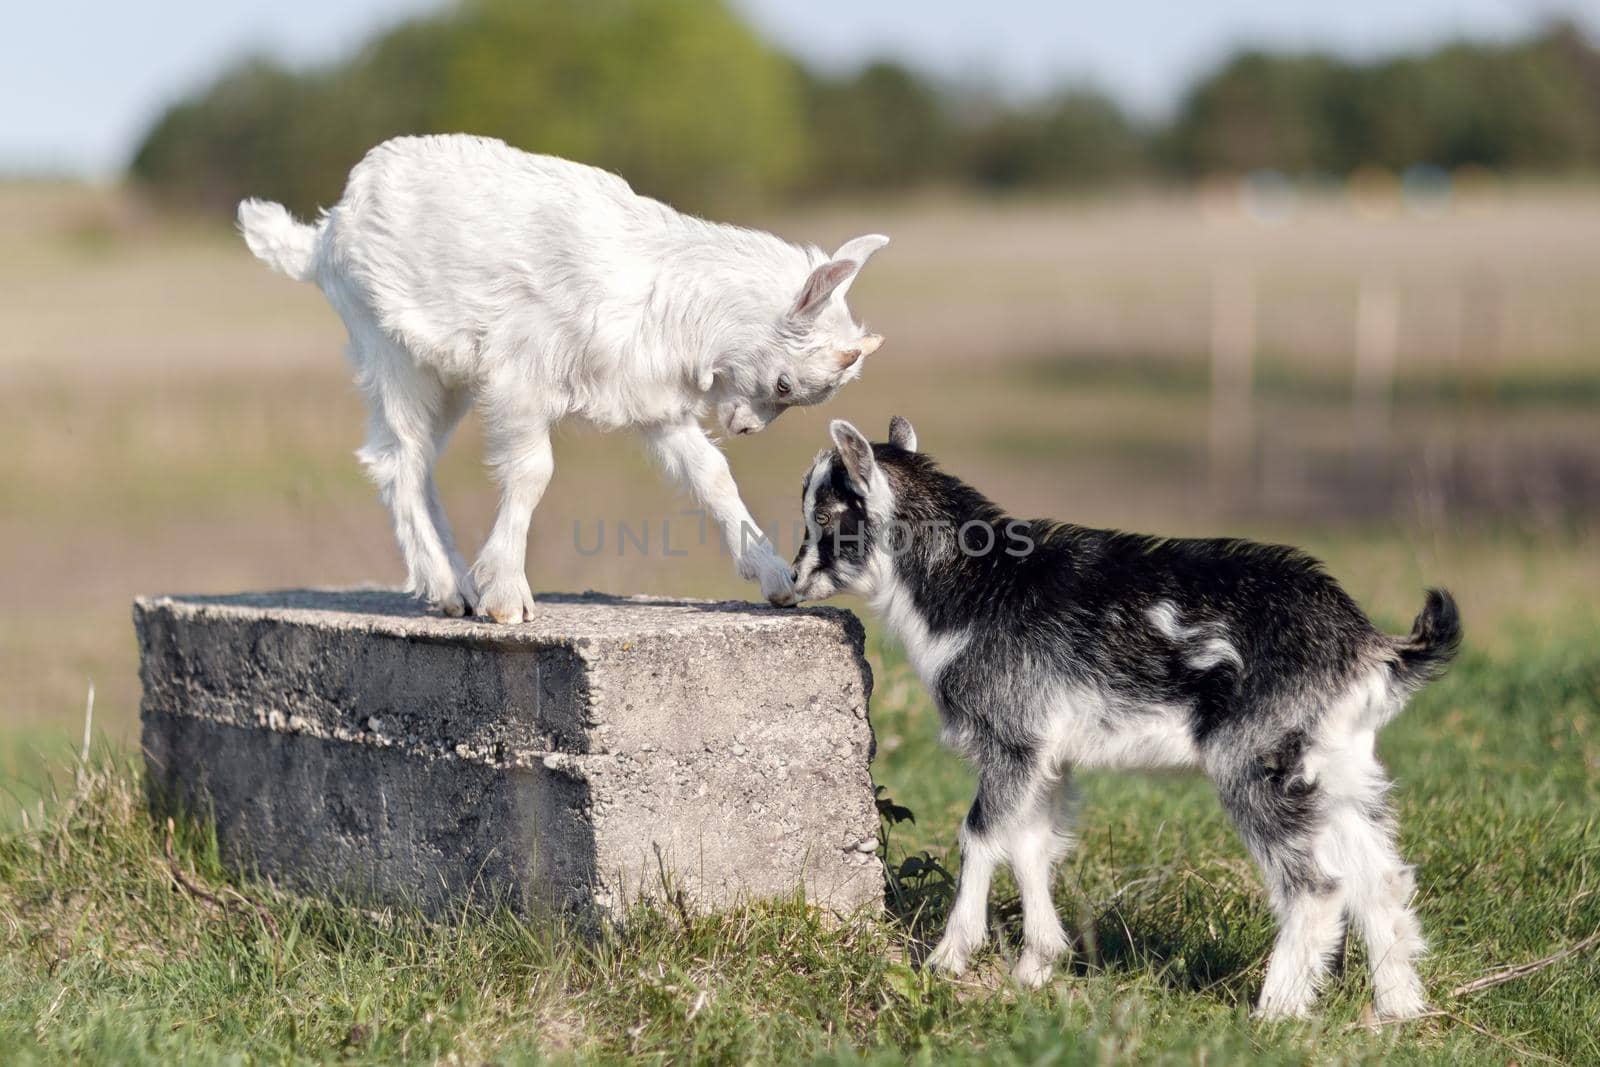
[{"x": 346, "y": 742}]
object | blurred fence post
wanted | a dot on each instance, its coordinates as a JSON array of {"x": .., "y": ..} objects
[
  {"x": 1482, "y": 333},
  {"x": 1377, "y": 348},
  {"x": 1233, "y": 348}
]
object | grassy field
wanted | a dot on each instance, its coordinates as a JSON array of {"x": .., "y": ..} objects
[
  {"x": 108, "y": 957},
  {"x": 182, "y": 422}
]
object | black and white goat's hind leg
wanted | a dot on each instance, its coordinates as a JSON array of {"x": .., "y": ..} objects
[
  {"x": 1310, "y": 931},
  {"x": 1359, "y": 843},
  {"x": 1281, "y": 815},
  {"x": 1018, "y": 817},
  {"x": 1381, "y": 907}
]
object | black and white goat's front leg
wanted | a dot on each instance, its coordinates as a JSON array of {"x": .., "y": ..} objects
[
  {"x": 1019, "y": 817},
  {"x": 690, "y": 458}
]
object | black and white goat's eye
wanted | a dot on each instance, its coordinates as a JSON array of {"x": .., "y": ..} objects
[
  {"x": 823, "y": 518},
  {"x": 785, "y": 385}
]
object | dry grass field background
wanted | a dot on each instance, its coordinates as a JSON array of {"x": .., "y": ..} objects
[{"x": 179, "y": 419}]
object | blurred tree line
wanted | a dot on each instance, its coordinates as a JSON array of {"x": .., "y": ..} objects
[{"x": 683, "y": 98}]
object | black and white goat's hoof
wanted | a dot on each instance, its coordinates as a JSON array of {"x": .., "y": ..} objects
[{"x": 947, "y": 959}]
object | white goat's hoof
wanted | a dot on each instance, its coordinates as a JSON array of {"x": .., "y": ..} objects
[
  {"x": 452, "y": 596},
  {"x": 777, "y": 581},
  {"x": 506, "y": 601}
]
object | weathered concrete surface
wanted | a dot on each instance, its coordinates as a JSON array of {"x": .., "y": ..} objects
[{"x": 348, "y": 742}]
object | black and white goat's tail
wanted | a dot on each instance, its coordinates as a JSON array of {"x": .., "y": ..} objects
[
  {"x": 278, "y": 239},
  {"x": 1435, "y": 638}
]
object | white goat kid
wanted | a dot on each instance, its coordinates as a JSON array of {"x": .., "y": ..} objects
[{"x": 467, "y": 271}]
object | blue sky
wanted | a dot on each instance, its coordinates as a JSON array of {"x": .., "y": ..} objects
[{"x": 79, "y": 80}]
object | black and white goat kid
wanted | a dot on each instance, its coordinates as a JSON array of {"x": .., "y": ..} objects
[{"x": 1049, "y": 646}]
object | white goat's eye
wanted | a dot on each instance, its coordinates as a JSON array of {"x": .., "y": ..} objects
[
  {"x": 785, "y": 385},
  {"x": 823, "y": 518}
]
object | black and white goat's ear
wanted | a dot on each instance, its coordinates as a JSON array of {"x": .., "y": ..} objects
[
  {"x": 902, "y": 434},
  {"x": 856, "y": 452},
  {"x": 834, "y": 277}
]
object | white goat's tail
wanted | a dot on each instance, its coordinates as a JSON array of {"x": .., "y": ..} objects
[{"x": 285, "y": 245}]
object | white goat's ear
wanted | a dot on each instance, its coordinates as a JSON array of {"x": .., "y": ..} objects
[
  {"x": 821, "y": 285},
  {"x": 861, "y": 248},
  {"x": 835, "y": 277},
  {"x": 901, "y": 434},
  {"x": 857, "y": 250},
  {"x": 856, "y": 453},
  {"x": 865, "y": 346}
]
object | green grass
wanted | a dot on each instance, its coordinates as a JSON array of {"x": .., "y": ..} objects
[
  {"x": 34, "y": 764},
  {"x": 104, "y": 957}
]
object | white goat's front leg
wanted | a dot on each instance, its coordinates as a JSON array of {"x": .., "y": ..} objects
[
  {"x": 693, "y": 460},
  {"x": 518, "y": 446}
]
